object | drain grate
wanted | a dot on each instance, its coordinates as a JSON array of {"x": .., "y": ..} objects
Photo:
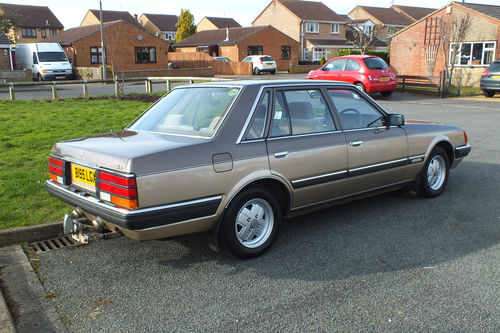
[{"x": 54, "y": 244}]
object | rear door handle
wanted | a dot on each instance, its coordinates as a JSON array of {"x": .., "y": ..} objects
[
  {"x": 356, "y": 143},
  {"x": 280, "y": 154}
]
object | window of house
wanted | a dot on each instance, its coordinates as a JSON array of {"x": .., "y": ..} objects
[
  {"x": 43, "y": 33},
  {"x": 319, "y": 52},
  {"x": 170, "y": 35},
  {"x": 312, "y": 27},
  {"x": 28, "y": 32},
  {"x": 335, "y": 28},
  {"x": 52, "y": 32},
  {"x": 285, "y": 51},
  {"x": 368, "y": 29},
  {"x": 255, "y": 50},
  {"x": 391, "y": 30},
  {"x": 145, "y": 55},
  {"x": 472, "y": 54},
  {"x": 95, "y": 55}
]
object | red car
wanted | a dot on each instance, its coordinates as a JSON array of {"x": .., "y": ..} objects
[{"x": 370, "y": 74}]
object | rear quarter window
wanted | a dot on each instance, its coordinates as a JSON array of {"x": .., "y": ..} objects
[
  {"x": 375, "y": 63},
  {"x": 267, "y": 58}
]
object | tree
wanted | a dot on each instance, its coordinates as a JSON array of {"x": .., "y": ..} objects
[
  {"x": 185, "y": 26},
  {"x": 362, "y": 39},
  {"x": 7, "y": 22},
  {"x": 453, "y": 33}
]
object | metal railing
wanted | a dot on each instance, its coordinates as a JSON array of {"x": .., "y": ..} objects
[{"x": 148, "y": 84}]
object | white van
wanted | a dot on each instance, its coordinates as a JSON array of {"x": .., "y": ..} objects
[{"x": 47, "y": 61}]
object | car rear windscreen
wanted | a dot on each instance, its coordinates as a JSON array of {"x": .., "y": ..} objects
[
  {"x": 52, "y": 57},
  {"x": 375, "y": 63},
  {"x": 267, "y": 58},
  {"x": 495, "y": 67}
]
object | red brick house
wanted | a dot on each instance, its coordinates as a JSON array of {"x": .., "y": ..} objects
[
  {"x": 128, "y": 48},
  {"x": 237, "y": 43},
  {"x": 5, "y": 52},
  {"x": 416, "y": 49},
  {"x": 212, "y": 23}
]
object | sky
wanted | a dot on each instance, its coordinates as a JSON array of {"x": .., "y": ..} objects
[{"x": 72, "y": 12}]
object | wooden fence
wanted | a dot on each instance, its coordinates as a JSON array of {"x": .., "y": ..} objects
[{"x": 428, "y": 85}]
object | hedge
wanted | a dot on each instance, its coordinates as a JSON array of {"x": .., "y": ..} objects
[{"x": 382, "y": 54}]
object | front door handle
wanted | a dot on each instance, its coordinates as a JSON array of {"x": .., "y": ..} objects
[
  {"x": 356, "y": 143},
  {"x": 280, "y": 154}
]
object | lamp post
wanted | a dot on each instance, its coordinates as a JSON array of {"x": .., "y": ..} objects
[{"x": 103, "y": 49}]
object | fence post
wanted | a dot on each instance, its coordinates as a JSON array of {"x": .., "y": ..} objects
[
  {"x": 146, "y": 83},
  {"x": 116, "y": 86},
  {"x": 168, "y": 85},
  {"x": 54, "y": 91},
  {"x": 12, "y": 92},
  {"x": 404, "y": 83},
  {"x": 85, "y": 89},
  {"x": 150, "y": 86}
]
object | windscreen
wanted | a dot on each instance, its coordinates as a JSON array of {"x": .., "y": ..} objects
[
  {"x": 495, "y": 67},
  {"x": 52, "y": 57},
  {"x": 188, "y": 111},
  {"x": 267, "y": 58},
  {"x": 375, "y": 63}
]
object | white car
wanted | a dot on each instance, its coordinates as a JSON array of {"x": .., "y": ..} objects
[{"x": 261, "y": 63}]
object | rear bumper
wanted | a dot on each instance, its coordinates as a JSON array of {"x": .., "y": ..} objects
[
  {"x": 373, "y": 87},
  {"x": 488, "y": 84},
  {"x": 138, "y": 219}
]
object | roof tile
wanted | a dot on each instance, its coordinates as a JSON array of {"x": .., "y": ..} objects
[{"x": 31, "y": 16}]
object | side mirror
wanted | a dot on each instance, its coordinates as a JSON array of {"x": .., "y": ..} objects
[{"x": 396, "y": 120}]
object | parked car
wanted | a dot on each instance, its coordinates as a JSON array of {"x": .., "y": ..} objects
[
  {"x": 490, "y": 79},
  {"x": 222, "y": 59},
  {"x": 238, "y": 157},
  {"x": 261, "y": 63},
  {"x": 369, "y": 73},
  {"x": 47, "y": 61}
]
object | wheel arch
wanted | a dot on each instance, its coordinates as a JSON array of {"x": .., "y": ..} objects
[{"x": 447, "y": 146}]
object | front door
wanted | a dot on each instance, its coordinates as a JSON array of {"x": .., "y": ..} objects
[{"x": 377, "y": 154}]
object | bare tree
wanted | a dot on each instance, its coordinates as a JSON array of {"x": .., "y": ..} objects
[
  {"x": 362, "y": 39},
  {"x": 453, "y": 33}
]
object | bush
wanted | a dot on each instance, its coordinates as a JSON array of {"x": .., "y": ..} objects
[{"x": 382, "y": 54}]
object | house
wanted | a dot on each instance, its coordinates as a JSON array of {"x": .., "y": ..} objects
[
  {"x": 238, "y": 43},
  {"x": 212, "y": 23},
  {"x": 5, "y": 52},
  {"x": 128, "y": 48},
  {"x": 33, "y": 23},
  {"x": 93, "y": 17},
  {"x": 417, "y": 49},
  {"x": 318, "y": 29},
  {"x": 160, "y": 25},
  {"x": 387, "y": 20}
]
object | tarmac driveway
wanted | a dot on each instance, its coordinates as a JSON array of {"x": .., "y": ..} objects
[{"x": 388, "y": 263}]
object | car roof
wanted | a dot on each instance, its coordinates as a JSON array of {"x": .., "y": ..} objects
[{"x": 273, "y": 83}]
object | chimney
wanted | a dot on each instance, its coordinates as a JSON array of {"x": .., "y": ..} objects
[
  {"x": 135, "y": 16},
  {"x": 227, "y": 34}
]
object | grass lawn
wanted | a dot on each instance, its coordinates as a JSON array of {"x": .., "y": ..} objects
[{"x": 28, "y": 130}]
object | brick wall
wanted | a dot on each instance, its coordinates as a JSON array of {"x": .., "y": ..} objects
[
  {"x": 5, "y": 59},
  {"x": 121, "y": 40},
  {"x": 205, "y": 24},
  {"x": 280, "y": 18},
  {"x": 13, "y": 34},
  {"x": 16, "y": 76}
]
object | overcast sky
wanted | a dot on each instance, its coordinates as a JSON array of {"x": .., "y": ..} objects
[{"x": 71, "y": 12}]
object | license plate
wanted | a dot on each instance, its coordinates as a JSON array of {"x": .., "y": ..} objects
[
  {"x": 60, "y": 77},
  {"x": 496, "y": 77},
  {"x": 83, "y": 177},
  {"x": 384, "y": 79}
]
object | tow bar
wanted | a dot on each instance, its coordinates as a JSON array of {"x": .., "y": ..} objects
[{"x": 75, "y": 224}]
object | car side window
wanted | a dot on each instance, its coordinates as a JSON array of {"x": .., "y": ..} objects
[
  {"x": 354, "y": 111},
  {"x": 352, "y": 65},
  {"x": 336, "y": 65},
  {"x": 258, "y": 124},
  {"x": 281, "y": 121},
  {"x": 247, "y": 59},
  {"x": 308, "y": 111}
]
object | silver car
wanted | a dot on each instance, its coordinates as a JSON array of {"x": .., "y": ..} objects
[
  {"x": 490, "y": 79},
  {"x": 237, "y": 158}
]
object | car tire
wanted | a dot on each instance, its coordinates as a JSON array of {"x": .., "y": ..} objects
[
  {"x": 360, "y": 86},
  {"x": 247, "y": 236},
  {"x": 386, "y": 93},
  {"x": 434, "y": 175},
  {"x": 39, "y": 77},
  {"x": 256, "y": 71},
  {"x": 489, "y": 93}
]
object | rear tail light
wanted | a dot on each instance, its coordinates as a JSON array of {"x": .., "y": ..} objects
[
  {"x": 56, "y": 169},
  {"x": 486, "y": 73},
  {"x": 118, "y": 189},
  {"x": 261, "y": 60}
]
